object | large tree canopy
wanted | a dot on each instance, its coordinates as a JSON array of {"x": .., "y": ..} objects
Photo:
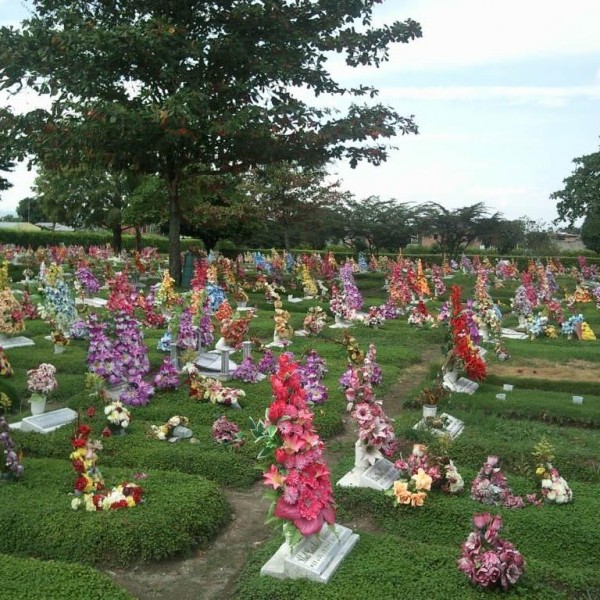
[
  {"x": 456, "y": 228},
  {"x": 580, "y": 195},
  {"x": 180, "y": 88}
]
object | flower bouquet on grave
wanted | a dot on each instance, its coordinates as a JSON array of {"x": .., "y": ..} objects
[
  {"x": 165, "y": 295},
  {"x": 412, "y": 492},
  {"x": 86, "y": 282},
  {"x": 488, "y": 561},
  {"x": 42, "y": 380},
  {"x": 11, "y": 315},
  {"x": 420, "y": 316},
  {"x": 90, "y": 492},
  {"x": 227, "y": 432},
  {"x": 247, "y": 371},
  {"x": 315, "y": 320},
  {"x": 283, "y": 331},
  {"x": 59, "y": 338},
  {"x": 555, "y": 489},
  {"x": 298, "y": 474},
  {"x": 6, "y": 369},
  {"x": 491, "y": 487},
  {"x": 224, "y": 312},
  {"x": 374, "y": 318},
  {"x": 165, "y": 431},
  {"x": 240, "y": 296},
  {"x": 10, "y": 464},
  {"x": 234, "y": 331},
  {"x": 441, "y": 469},
  {"x": 207, "y": 389},
  {"x": 338, "y": 305},
  {"x": 118, "y": 417},
  {"x": 167, "y": 377}
]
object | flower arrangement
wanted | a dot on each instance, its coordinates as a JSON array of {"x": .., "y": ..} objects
[
  {"x": 433, "y": 394},
  {"x": 374, "y": 318},
  {"x": 240, "y": 294},
  {"x": 267, "y": 365},
  {"x": 315, "y": 320},
  {"x": 42, "y": 380},
  {"x": 207, "y": 389},
  {"x": 165, "y": 295},
  {"x": 555, "y": 489},
  {"x": 206, "y": 329},
  {"x": 6, "y": 369},
  {"x": 371, "y": 369},
  {"x": 353, "y": 352},
  {"x": 11, "y": 463},
  {"x": 11, "y": 315},
  {"x": 86, "y": 280},
  {"x": 412, "y": 492},
  {"x": 163, "y": 432},
  {"x": 224, "y": 312},
  {"x": 124, "y": 495},
  {"x": 59, "y": 338},
  {"x": 167, "y": 377},
  {"x": 487, "y": 560},
  {"x": 298, "y": 474},
  {"x": 187, "y": 336},
  {"x": 352, "y": 296},
  {"x": 227, "y": 432},
  {"x": 440, "y": 469},
  {"x": 419, "y": 315},
  {"x": 463, "y": 352},
  {"x": 117, "y": 414},
  {"x": 491, "y": 487},
  {"x": 234, "y": 331},
  {"x": 83, "y": 460},
  {"x": 247, "y": 371}
]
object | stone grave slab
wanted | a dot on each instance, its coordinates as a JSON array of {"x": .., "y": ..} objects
[
  {"x": 294, "y": 300},
  {"x": 453, "y": 426},
  {"x": 512, "y": 334},
  {"x": 209, "y": 363},
  {"x": 380, "y": 476},
  {"x": 94, "y": 302},
  {"x": 16, "y": 342},
  {"x": 316, "y": 557},
  {"x": 49, "y": 421},
  {"x": 461, "y": 385}
]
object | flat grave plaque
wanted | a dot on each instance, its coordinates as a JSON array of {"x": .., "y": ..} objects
[
  {"x": 380, "y": 476},
  {"x": 49, "y": 421},
  {"x": 16, "y": 342},
  {"x": 511, "y": 334},
  {"x": 452, "y": 426}
]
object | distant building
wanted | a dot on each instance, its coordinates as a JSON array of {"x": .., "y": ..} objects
[
  {"x": 567, "y": 241},
  {"x": 429, "y": 240}
]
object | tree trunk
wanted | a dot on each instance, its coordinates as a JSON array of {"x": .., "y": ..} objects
[
  {"x": 138, "y": 238},
  {"x": 117, "y": 242},
  {"x": 174, "y": 229}
]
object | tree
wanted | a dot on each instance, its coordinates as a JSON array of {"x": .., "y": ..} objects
[
  {"x": 501, "y": 234},
  {"x": 590, "y": 231},
  {"x": 31, "y": 210},
  {"x": 580, "y": 195},
  {"x": 5, "y": 165},
  {"x": 455, "y": 228},
  {"x": 373, "y": 223},
  {"x": 179, "y": 89},
  {"x": 83, "y": 197},
  {"x": 291, "y": 197}
]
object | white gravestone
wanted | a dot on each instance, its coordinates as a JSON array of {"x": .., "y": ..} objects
[
  {"x": 452, "y": 426},
  {"x": 16, "y": 342},
  {"x": 380, "y": 476},
  {"x": 316, "y": 557},
  {"x": 49, "y": 421},
  {"x": 511, "y": 334}
]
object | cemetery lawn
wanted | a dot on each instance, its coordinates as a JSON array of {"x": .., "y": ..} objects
[{"x": 401, "y": 551}]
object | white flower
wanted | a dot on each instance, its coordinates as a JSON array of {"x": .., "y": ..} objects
[{"x": 75, "y": 503}]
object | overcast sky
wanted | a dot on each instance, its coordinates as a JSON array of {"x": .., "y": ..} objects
[{"x": 505, "y": 95}]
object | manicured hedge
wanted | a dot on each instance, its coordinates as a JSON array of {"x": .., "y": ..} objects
[
  {"x": 36, "y": 519},
  {"x": 32, "y": 579},
  {"x": 37, "y": 239}
]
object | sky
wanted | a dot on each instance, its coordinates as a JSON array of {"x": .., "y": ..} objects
[{"x": 505, "y": 95}]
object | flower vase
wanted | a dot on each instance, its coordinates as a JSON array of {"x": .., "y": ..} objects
[
  {"x": 242, "y": 304},
  {"x": 6, "y": 476},
  {"x": 522, "y": 322},
  {"x": 484, "y": 332},
  {"x": 429, "y": 410},
  {"x": 363, "y": 458},
  {"x": 117, "y": 430},
  {"x": 59, "y": 348},
  {"x": 38, "y": 404}
]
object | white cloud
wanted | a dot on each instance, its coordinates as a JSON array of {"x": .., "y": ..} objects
[
  {"x": 549, "y": 96},
  {"x": 475, "y": 32}
]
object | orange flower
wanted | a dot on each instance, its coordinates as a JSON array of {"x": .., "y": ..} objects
[
  {"x": 418, "y": 499},
  {"x": 401, "y": 492},
  {"x": 422, "y": 480}
]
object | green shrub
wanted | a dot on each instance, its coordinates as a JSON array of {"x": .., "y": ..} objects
[{"x": 179, "y": 512}]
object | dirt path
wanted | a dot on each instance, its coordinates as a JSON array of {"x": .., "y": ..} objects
[
  {"x": 536, "y": 368},
  {"x": 211, "y": 573},
  {"x": 208, "y": 574}
]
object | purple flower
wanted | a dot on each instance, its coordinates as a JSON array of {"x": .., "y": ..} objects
[
  {"x": 247, "y": 371},
  {"x": 167, "y": 377},
  {"x": 268, "y": 363}
]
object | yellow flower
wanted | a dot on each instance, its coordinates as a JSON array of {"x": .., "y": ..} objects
[
  {"x": 401, "y": 492},
  {"x": 422, "y": 480},
  {"x": 418, "y": 499},
  {"x": 540, "y": 471}
]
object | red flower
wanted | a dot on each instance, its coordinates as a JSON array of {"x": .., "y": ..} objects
[
  {"x": 91, "y": 412},
  {"x": 80, "y": 484},
  {"x": 106, "y": 432},
  {"x": 78, "y": 465},
  {"x": 78, "y": 443},
  {"x": 84, "y": 430}
]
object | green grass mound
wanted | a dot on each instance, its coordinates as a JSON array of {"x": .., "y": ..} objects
[
  {"x": 32, "y": 579},
  {"x": 179, "y": 512}
]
